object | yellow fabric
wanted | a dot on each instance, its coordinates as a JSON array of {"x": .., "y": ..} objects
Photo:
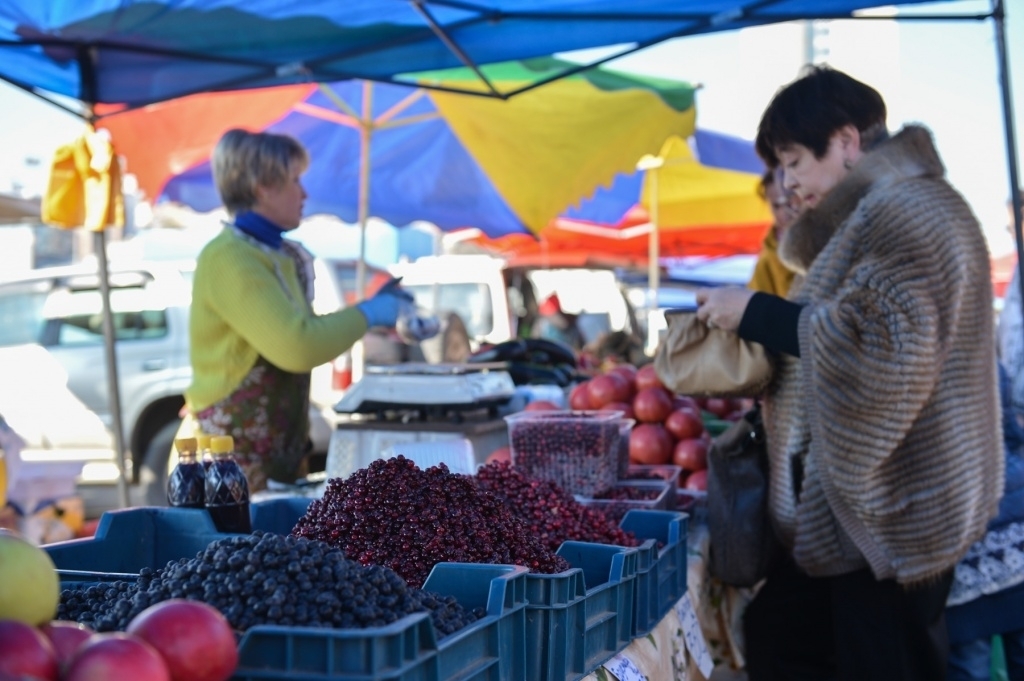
[
  {"x": 770, "y": 275},
  {"x": 240, "y": 311},
  {"x": 84, "y": 188},
  {"x": 693, "y": 195},
  {"x": 565, "y": 158}
]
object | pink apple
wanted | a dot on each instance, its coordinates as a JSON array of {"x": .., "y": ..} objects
[
  {"x": 106, "y": 657},
  {"x": 25, "y": 652},
  {"x": 195, "y": 639},
  {"x": 66, "y": 638}
]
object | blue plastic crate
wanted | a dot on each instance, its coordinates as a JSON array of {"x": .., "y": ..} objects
[
  {"x": 278, "y": 515},
  {"x": 130, "y": 539},
  {"x": 491, "y": 649},
  {"x": 661, "y": 572},
  {"x": 577, "y": 619}
]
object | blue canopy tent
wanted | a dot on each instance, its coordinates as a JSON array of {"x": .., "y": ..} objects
[{"x": 129, "y": 53}]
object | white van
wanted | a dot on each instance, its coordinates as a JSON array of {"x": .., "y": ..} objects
[{"x": 494, "y": 301}]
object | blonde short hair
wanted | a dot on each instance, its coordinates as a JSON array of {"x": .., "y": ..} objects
[{"x": 244, "y": 160}]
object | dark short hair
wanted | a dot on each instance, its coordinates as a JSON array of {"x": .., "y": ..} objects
[
  {"x": 811, "y": 108},
  {"x": 767, "y": 180}
]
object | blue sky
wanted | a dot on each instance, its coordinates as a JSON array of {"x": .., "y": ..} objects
[{"x": 940, "y": 74}]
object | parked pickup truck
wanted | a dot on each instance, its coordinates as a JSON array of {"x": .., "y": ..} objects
[{"x": 53, "y": 378}]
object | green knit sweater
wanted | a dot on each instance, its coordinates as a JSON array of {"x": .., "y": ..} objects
[{"x": 241, "y": 311}]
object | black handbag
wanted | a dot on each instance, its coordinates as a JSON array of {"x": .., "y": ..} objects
[{"x": 743, "y": 542}]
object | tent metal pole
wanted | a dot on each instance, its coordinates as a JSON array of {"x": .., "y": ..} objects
[
  {"x": 1003, "y": 64},
  {"x": 366, "y": 125},
  {"x": 109, "y": 341}
]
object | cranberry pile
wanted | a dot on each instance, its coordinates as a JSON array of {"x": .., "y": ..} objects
[
  {"x": 580, "y": 452},
  {"x": 549, "y": 512},
  {"x": 393, "y": 514}
]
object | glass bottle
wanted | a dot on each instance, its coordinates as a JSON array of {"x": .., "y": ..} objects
[
  {"x": 185, "y": 486},
  {"x": 227, "y": 491}
]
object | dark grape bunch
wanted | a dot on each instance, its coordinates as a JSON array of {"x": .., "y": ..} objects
[
  {"x": 550, "y": 513},
  {"x": 392, "y": 513},
  {"x": 266, "y": 578}
]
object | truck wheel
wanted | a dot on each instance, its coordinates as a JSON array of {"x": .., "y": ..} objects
[{"x": 155, "y": 465}]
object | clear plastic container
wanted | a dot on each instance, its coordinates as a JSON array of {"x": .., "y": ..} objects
[
  {"x": 625, "y": 429},
  {"x": 649, "y": 495},
  {"x": 577, "y": 450}
]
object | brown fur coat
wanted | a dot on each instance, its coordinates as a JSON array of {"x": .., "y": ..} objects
[{"x": 892, "y": 410}]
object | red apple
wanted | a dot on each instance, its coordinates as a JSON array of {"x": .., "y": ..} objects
[
  {"x": 105, "y": 657},
  {"x": 650, "y": 444},
  {"x": 26, "y": 652},
  {"x": 66, "y": 638},
  {"x": 541, "y": 405},
  {"x": 691, "y": 455},
  {"x": 624, "y": 407},
  {"x": 499, "y": 454},
  {"x": 647, "y": 377},
  {"x": 718, "y": 406},
  {"x": 684, "y": 423},
  {"x": 652, "y": 405},
  {"x": 578, "y": 398},
  {"x": 604, "y": 389},
  {"x": 697, "y": 481},
  {"x": 195, "y": 639}
]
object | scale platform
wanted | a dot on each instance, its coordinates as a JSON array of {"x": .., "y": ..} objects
[{"x": 417, "y": 385}]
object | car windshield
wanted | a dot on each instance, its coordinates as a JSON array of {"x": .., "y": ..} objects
[{"x": 471, "y": 301}]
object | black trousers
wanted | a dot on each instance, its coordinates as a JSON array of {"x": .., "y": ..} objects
[{"x": 846, "y": 628}]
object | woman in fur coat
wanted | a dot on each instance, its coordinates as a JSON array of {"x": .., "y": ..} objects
[{"x": 886, "y": 460}]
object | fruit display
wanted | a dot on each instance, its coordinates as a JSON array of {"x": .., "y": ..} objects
[
  {"x": 670, "y": 429},
  {"x": 263, "y": 578},
  {"x": 393, "y": 514},
  {"x": 625, "y": 496},
  {"x": 549, "y": 512},
  {"x": 29, "y": 587},
  {"x": 577, "y": 450}
]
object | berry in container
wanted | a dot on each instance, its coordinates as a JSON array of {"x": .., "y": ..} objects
[{"x": 577, "y": 450}]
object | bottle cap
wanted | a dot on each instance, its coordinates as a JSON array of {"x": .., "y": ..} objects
[
  {"x": 222, "y": 444},
  {"x": 185, "y": 444},
  {"x": 204, "y": 441}
]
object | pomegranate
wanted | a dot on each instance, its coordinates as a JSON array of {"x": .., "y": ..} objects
[
  {"x": 647, "y": 377},
  {"x": 625, "y": 407},
  {"x": 652, "y": 405},
  {"x": 691, "y": 454},
  {"x": 579, "y": 397},
  {"x": 684, "y": 423},
  {"x": 650, "y": 444}
]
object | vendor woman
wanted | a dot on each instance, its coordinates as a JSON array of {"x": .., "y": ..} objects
[{"x": 254, "y": 336}]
